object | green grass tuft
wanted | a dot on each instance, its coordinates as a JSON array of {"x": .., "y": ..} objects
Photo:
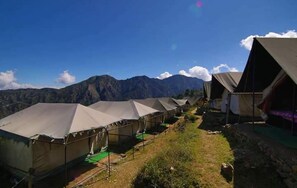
[
  {"x": 171, "y": 168},
  {"x": 97, "y": 157}
]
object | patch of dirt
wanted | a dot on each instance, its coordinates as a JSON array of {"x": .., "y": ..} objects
[{"x": 252, "y": 168}]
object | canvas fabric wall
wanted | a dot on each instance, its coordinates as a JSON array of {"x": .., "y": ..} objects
[
  {"x": 243, "y": 104},
  {"x": 16, "y": 155}
]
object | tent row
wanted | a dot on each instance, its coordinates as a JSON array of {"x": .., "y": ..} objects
[
  {"x": 220, "y": 92},
  {"x": 41, "y": 139},
  {"x": 266, "y": 87}
]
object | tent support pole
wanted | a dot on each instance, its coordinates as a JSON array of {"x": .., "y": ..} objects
[
  {"x": 253, "y": 85},
  {"x": 30, "y": 181},
  {"x": 108, "y": 162},
  {"x": 293, "y": 108},
  {"x": 143, "y": 135},
  {"x": 132, "y": 133},
  {"x": 89, "y": 142},
  {"x": 108, "y": 153},
  {"x": 228, "y": 108},
  {"x": 253, "y": 116},
  {"x": 65, "y": 161}
]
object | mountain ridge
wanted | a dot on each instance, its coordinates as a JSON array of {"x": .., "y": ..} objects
[{"x": 96, "y": 88}]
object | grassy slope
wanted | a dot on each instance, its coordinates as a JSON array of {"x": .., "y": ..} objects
[
  {"x": 251, "y": 167},
  {"x": 123, "y": 174},
  {"x": 209, "y": 151},
  {"x": 212, "y": 151}
]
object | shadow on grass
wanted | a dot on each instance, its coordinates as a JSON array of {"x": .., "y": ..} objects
[
  {"x": 215, "y": 120},
  {"x": 171, "y": 120},
  {"x": 125, "y": 146},
  {"x": 252, "y": 168},
  {"x": 5, "y": 178},
  {"x": 59, "y": 179},
  {"x": 158, "y": 129},
  {"x": 133, "y": 141}
]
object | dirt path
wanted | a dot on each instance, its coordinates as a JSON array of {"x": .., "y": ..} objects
[{"x": 212, "y": 151}]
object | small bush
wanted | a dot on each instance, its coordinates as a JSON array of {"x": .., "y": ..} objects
[
  {"x": 201, "y": 110},
  {"x": 167, "y": 170},
  {"x": 191, "y": 118},
  {"x": 171, "y": 120},
  {"x": 180, "y": 126},
  {"x": 178, "y": 114}
]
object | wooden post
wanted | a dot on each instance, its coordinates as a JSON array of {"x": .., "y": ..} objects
[
  {"x": 143, "y": 134},
  {"x": 107, "y": 149},
  {"x": 133, "y": 139},
  {"x": 65, "y": 164},
  {"x": 293, "y": 108},
  {"x": 253, "y": 85},
  {"x": 108, "y": 162},
  {"x": 228, "y": 108},
  {"x": 30, "y": 182},
  {"x": 65, "y": 160}
]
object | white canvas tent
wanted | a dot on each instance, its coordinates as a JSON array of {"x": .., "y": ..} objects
[
  {"x": 223, "y": 87},
  {"x": 45, "y": 136},
  {"x": 184, "y": 104},
  {"x": 276, "y": 56},
  {"x": 171, "y": 102},
  {"x": 192, "y": 100},
  {"x": 207, "y": 90},
  {"x": 166, "y": 109},
  {"x": 138, "y": 116},
  {"x": 242, "y": 104}
]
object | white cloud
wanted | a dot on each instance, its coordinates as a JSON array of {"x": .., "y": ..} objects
[
  {"x": 6, "y": 78},
  {"x": 204, "y": 74},
  {"x": 219, "y": 68},
  {"x": 183, "y": 72},
  {"x": 66, "y": 78},
  {"x": 247, "y": 42},
  {"x": 198, "y": 72},
  {"x": 9, "y": 81},
  {"x": 164, "y": 75}
]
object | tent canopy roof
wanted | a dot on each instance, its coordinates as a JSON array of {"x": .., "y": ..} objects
[
  {"x": 168, "y": 100},
  {"x": 207, "y": 89},
  {"x": 180, "y": 102},
  {"x": 156, "y": 104},
  {"x": 128, "y": 110},
  {"x": 192, "y": 100},
  {"x": 55, "y": 120},
  {"x": 222, "y": 81},
  {"x": 269, "y": 55}
]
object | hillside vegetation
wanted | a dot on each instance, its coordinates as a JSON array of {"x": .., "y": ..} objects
[{"x": 98, "y": 88}]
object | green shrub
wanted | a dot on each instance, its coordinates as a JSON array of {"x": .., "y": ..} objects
[
  {"x": 201, "y": 110},
  {"x": 171, "y": 120},
  {"x": 191, "y": 118},
  {"x": 171, "y": 168},
  {"x": 178, "y": 114}
]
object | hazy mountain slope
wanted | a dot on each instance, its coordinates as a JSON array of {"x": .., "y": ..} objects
[{"x": 97, "y": 88}]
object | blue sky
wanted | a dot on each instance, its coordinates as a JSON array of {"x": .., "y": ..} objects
[{"x": 59, "y": 42}]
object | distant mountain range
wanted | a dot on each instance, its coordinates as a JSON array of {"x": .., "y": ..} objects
[{"x": 97, "y": 88}]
